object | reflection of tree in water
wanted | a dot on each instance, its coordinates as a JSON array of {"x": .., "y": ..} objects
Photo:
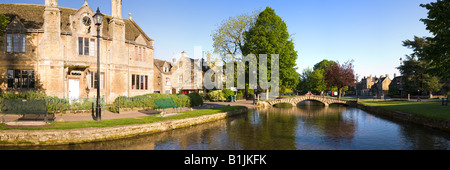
[
  {"x": 328, "y": 121},
  {"x": 265, "y": 130}
]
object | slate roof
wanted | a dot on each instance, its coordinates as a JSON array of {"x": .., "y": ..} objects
[{"x": 31, "y": 15}]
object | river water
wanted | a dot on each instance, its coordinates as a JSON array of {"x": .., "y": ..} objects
[{"x": 306, "y": 127}]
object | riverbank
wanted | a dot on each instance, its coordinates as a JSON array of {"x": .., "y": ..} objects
[
  {"x": 431, "y": 114},
  {"x": 103, "y": 130}
]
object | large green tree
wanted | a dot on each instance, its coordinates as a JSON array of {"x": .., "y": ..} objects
[
  {"x": 314, "y": 80},
  {"x": 438, "y": 52},
  {"x": 269, "y": 36},
  {"x": 415, "y": 68}
]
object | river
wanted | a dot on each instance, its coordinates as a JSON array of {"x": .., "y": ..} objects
[{"x": 309, "y": 126}]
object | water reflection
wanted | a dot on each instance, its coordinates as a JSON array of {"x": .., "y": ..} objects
[{"x": 305, "y": 127}]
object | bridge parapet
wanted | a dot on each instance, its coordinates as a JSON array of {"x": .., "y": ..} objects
[{"x": 295, "y": 100}]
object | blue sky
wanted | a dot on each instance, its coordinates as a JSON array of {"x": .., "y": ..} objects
[{"x": 370, "y": 32}]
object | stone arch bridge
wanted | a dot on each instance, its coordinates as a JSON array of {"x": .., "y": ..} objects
[{"x": 295, "y": 100}]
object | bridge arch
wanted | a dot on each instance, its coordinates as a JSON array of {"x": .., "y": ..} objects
[{"x": 295, "y": 100}]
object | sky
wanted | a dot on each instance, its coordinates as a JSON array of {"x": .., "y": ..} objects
[{"x": 369, "y": 32}]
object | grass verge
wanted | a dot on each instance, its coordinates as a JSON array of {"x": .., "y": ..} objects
[
  {"x": 126, "y": 121},
  {"x": 430, "y": 110}
]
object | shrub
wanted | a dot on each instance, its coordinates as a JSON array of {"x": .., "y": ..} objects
[
  {"x": 148, "y": 101},
  {"x": 195, "y": 99},
  {"x": 216, "y": 95},
  {"x": 227, "y": 93}
]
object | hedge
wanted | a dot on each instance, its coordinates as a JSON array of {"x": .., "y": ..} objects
[
  {"x": 147, "y": 101},
  {"x": 54, "y": 104}
]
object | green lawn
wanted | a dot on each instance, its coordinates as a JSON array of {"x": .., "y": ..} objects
[
  {"x": 128, "y": 121},
  {"x": 431, "y": 110}
]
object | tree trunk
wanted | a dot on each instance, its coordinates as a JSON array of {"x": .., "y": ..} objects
[{"x": 339, "y": 93}]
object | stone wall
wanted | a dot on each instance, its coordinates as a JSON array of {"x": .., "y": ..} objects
[{"x": 56, "y": 137}]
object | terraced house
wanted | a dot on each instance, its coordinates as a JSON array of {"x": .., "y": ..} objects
[{"x": 54, "y": 49}]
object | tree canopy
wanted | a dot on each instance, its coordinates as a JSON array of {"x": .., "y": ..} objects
[
  {"x": 437, "y": 53},
  {"x": 269, "y": 36},
  {"x": 340, "y": 76}
]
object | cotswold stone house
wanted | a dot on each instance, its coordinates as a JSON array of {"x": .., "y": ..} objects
[
  {"x": 54, "y": 49},
  {"x": 181, "y": 76}
]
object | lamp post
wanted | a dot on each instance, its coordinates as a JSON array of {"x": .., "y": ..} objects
[{"x": 98, "y": 19}]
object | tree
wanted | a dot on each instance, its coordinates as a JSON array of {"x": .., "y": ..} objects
[
  {"x": 4, "y": 21},
  {"x": 228, "y": 38},
  {"x": 314, "y": 80},
  {"x": 437, "y": 53},
  {"x": 323, "y": 64},
  {"x": 415, "y": 68},
  {"x": 269, "y": 36},
  {"x": 416, "y": 78},
  {"x": 340, "y": 76}
]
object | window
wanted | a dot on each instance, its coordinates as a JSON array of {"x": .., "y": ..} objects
[
  {"x": 15, "y": 43},
  {"x": 146, "y": 82},
  {"x": 132, "y": 81},
  {"x": 92, "y": 80},
  {"x": 22, "y": 43},
  {"x": 80, "y": 45},
  {"x": 142, "y": 82},
  {"x": 167, "y": 82},
  {"x": 92, "y": 47},
  {"x": 139, "y": 82},
  {"x": 20, "y": 79},
  {"x": 86, "y": 46},
  {"x": 9, "y": 43},
  {"x": 180, "y": 79}
]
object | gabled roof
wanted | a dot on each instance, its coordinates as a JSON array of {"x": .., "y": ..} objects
[
  {"x": 160, "y": 64},
  {"x": 31, "y": 16}
]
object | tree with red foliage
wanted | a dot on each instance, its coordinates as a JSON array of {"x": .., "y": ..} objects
[{"x": 340, "y": 76}]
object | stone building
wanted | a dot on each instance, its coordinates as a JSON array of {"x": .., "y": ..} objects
[
  {"x": 54, "y": 50},
  {"x": 364, "y": 86},
  {"x": 381, "y": 87},
  {"x": 180, "y": 76}
]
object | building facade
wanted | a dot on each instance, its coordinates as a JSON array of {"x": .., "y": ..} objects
[
  {"x": 181, "y": 76},
  {"x": 54, "y": 50}
]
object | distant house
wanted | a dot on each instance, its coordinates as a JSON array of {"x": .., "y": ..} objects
[
  {"x": 364, "y": 86},
  {"x": 381, "y": 87},
  {"x": 396, "y": 86},
  {"x": 182, "y": 76},
  {"x": 162, "y": 77}
]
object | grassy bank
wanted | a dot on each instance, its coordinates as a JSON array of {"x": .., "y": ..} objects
[
  {"x": 127, "y": 121},
  {"x": 430, "y": 110}
]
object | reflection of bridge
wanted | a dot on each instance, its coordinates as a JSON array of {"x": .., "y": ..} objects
[{"x": 295, "y": 100}]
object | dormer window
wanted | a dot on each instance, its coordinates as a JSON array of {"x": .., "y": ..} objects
[{"x": 15, "y": 43}]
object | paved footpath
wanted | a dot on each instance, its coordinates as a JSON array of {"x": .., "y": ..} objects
[{"x": 129, "y": 114}]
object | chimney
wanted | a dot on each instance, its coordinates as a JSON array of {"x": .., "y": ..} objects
[
  {"x": 183, "y": 54},
  {"x": 387, "y": 75},
  {"x": 174, "y": 60},
  {"x": 116, "y": 8},
  {"x": 51, "y": 3},
  {"x": 395, "y": 75}
]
